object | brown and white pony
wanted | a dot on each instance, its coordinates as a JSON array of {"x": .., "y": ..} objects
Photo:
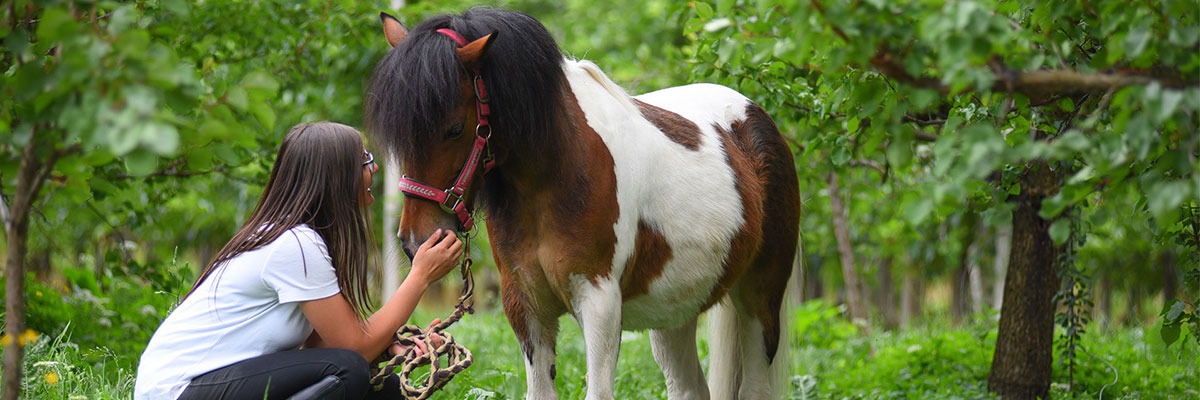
[{"x": 626, "y": 212}]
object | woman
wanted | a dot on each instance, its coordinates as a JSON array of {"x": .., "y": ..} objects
[{"x": 294, "y": 274}]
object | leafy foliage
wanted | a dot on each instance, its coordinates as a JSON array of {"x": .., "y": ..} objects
[{"x": 162, "y": 118}]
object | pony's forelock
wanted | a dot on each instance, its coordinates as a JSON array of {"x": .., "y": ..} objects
[{"x": 415, "y": 87}]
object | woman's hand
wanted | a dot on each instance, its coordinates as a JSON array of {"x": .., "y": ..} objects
[
  {"x": 436, "y": 257},
  {"x": 421, "y": 349}
]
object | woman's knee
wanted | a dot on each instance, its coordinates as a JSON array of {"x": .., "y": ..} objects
[{"x": 351, "y": 365}]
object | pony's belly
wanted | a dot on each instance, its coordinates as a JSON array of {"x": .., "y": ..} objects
[{"x": 676, "y": 296}]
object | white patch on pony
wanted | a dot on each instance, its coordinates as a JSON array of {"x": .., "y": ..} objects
[
  {"x": 538, "y": 382},
  {"x": 675, "y": 351},
  {"x": 689, "y": 196},
  {"x": 598, "y": 312},
  {"x": 756, "y": 378}
]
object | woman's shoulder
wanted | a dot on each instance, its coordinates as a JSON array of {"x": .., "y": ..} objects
[{"x": 302, "y": 237}]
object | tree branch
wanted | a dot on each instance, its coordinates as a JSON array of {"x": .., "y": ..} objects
[
  {"x": 1041, "y": 86},
  {"x": 816, "y": 4},
  {"x": 172, "y": 172},
  {"x": 870, "y": 164}
]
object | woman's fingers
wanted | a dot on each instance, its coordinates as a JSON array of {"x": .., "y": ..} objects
[
  {"x": 447, "y": 241},
  {"x": 432, "y": 240}
]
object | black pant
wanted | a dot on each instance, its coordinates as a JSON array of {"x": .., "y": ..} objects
[{"x": 280, "y": 375}]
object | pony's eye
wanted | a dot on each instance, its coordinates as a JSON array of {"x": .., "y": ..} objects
[{"x": 455, "y": 131}]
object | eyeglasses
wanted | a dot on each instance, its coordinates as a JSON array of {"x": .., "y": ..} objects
[{"x": 370, "y": 158}]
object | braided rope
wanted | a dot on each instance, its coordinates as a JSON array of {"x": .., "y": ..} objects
[{"x": 458, "y": 358}]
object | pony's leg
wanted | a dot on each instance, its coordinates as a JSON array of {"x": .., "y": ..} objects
[
  {"x": 675, "y": 352},
  {"x": 539, "y": 360},
  {"x": 536, "y": 332},
  {"x": 757, "y": 382},
  {"x": 598, "y": 311},
  {"x": 724, "y": 351}
]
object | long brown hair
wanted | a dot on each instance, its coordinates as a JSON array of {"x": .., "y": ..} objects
[{"x": 316, "y": 180}]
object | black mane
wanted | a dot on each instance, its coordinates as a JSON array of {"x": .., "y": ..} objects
[{"x": 415, "y": 87}]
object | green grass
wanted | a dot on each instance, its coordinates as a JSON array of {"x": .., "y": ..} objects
[{"x": 829, "y": 361}]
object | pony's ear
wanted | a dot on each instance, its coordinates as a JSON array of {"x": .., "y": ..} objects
[
  {"x": 393, "y": 29},
  {"x": 473, "y": 52}
]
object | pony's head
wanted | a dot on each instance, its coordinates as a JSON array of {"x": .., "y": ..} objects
[{"x": 421, "y": 103}]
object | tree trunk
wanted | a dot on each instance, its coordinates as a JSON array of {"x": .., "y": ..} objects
[
  {"x": 814, "y": 287},
  {"x": 1000, "y": 264},
  {"x": 974, "y": 272},
  {"x": 912, "y": 293},
  {"x": 1023, "y": 358},
  {"x": 1133, "y": 311},
  {"x": 961, "y": 284},
  {"x": 30, "y": 176},
  {"x": 885, "y": 295},
  {"x": 854, "y": 296},
  {"x": 1170, "y": 276},
  {"x": 1103, "y": 311}
]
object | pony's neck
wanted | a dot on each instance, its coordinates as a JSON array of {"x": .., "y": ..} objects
[{"x": 557, "y": 184}]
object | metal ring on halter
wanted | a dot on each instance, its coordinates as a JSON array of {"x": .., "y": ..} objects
[
  {"x": 474, "y": 231},
  {"x": 479, "y": 128}
]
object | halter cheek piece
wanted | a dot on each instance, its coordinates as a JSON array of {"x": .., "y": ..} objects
[{"x": 451, "y": 199}]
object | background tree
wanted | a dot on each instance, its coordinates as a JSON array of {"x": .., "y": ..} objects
[{"x": 1029, "y": 109}]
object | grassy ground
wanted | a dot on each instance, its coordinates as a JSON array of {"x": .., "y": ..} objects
[{"x": 829, "y": 361}]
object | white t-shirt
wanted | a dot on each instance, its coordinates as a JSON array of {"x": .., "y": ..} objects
[{"x": 248, "y": 306}]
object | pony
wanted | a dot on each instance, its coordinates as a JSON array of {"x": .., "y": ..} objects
[{"x": 626, "y": 212}]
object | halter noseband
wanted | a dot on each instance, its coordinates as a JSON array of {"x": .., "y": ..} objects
[{"x": 451, "y": 199}]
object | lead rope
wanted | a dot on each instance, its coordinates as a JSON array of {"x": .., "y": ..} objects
[{"x": 457, "y": 357}]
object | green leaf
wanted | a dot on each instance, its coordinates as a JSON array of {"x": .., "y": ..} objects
[
  {"x": 55, "y": 25},
  {"x": 1136, "y": 41},
  {"x": 140, "y": 163},
  {"x": 261, "y": 81},
  {"x": 212, "y": 129},
  {"x": 1172, "y": 314},
  {"x": 236, "y": 98},
  {"x": 200, "y": 158},
  {"x": 1060, "y": 231},
  {"x": 264, "y": 114},
  {"x": 1067, "y": 104},
  {"x": 161, "y": 138},
  {"x": 703, "y": 10},
  {"x": 1169, "y": 334}
]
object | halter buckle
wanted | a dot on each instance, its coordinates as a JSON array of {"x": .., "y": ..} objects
[
  {"x": 445, "y": 203},
  {"x": 480, "y": 94}
]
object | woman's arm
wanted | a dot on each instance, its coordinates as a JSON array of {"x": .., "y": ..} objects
[{"x": 336, "y": 324}]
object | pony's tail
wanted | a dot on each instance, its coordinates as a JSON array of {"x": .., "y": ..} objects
[
  {"x": 724, "y": 351},
  {"x": 781, "y": 369},
  {"x": 731, "y": 332}
]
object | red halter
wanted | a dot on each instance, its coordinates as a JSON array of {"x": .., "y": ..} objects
[{"x": 451, "y": 200}]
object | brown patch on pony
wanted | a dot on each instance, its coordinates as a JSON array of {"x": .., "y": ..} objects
[
  {"x": 745, "y": 164},
  {"x": 650, "y": 256},
  {"x": 679, "y": 129},
  {"x": 557, "y": 221},
  {"x": 516, "y": 307},
  {"x": 762, "y": 293}
]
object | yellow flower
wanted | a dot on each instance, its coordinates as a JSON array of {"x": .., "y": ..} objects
[
  {"x": 5, "y": 340},
  {"x": 29, "y": 337},
  {"x": 52, "y": 378},
  {"x": 39, "y": 293}
]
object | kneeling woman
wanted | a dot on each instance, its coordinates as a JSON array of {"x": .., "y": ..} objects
[{"x": 294, "y": 274}]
